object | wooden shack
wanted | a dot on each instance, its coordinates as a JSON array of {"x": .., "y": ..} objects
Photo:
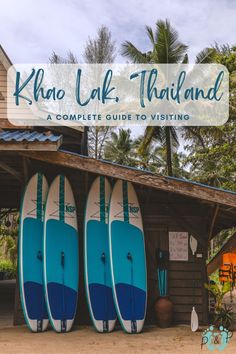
[{"x": 168, "y": 205}]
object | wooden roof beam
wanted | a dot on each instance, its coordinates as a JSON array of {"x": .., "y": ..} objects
[
  {"x": 136, "y": 176},
  {"x": 213, "y": 221},
  {"x": 11, "y": 171}
]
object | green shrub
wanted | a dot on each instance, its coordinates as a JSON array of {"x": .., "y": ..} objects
[
  {"x": 8, "y": 248},
  {"x": 224, "y": 317},
  {"x": 8, "y": 268},
  {"x": 215, "y": 277},
  {"x": 218, "y": 291}
]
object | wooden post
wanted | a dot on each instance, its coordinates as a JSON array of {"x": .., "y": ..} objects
[
  {"x": 25, "y": 168},
  {"x": 18, "y": 318},
  {"x": 215, "y": 213},
  {"x": 205, "y": 315},
  {"x": 84, "y": 142}
]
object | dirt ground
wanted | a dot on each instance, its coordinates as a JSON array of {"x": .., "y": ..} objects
[
  {"x": 173, "y": 340},
  {"x": 7, "y": 296}
]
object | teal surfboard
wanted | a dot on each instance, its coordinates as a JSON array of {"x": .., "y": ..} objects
[
  {"x": 127, "y": 256},
  {"x": 61, "y": 257},
  {"x": 31, "y": 253},
  {"x": 96, "y": 257}
]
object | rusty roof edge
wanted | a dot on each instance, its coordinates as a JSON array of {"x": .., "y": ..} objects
[{"x": 153, "y": 173}]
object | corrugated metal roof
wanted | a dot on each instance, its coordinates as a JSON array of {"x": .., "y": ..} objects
[{"x": 27, "y": 135}]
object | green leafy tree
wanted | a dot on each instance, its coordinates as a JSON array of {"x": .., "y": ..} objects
[
  {"x": 120, "y": 148},
  {"x": 152, "y": 159},
  {"x": 168, "y": 139},
  {"x": 212, "y": 150}
]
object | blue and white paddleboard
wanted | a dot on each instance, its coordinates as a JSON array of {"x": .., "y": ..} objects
[
  {"x": 127, "y": 255},
  {"x": 96, "y": 257},
  {"x": 31, "y": 253},
  {"x": 61, "y": 257}
]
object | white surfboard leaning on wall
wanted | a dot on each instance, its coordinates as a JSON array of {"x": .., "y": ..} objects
[
  {"x": 61, "y": 255},
  {"x": 31, "y": 253},
  {"x": 96, "y": 257},
  {"x": 127, "y": 255}
]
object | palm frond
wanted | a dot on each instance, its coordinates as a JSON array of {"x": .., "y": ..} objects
[
  {"x": 168, "y": 47},
  {"x": 173, "y": 135},
  {"x": 150, "y": 34},
  {"x": 151, "y": 133},
  {"x": 206, "y": 56},
  {"x": 131, "y": 52}
]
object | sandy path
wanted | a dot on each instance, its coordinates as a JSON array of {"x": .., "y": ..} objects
[
  {"x": 174, "y": 340},
  {"x": 7, "y": 296}
]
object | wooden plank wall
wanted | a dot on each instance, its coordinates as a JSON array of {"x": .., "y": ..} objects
[
  {"x": 3, "y": 91},
  {"x": 185, "y": 278},
  {"x": 24, "y": 111},
  {"x": 4, "y": 122}
]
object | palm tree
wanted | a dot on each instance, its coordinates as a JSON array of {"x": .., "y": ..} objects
[
  {"x": 225, "y": 55},
  {"x": 152, "y": 159},
  {"x": 165, "y": 49},
  {"x": 120, "y": 148}
]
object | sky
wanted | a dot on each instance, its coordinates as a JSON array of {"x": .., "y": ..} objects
[{"x": 31, "y": 30}]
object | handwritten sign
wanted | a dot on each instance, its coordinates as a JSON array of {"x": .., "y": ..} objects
[{"x": 178, "y": 246}]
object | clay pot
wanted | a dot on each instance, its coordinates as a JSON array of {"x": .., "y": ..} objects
[{"x": 164, "y": 311}]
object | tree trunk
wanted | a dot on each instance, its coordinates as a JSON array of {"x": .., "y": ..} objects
[
  {"x": 168, "y": 151},
  {"x": 84, "y": 142}
]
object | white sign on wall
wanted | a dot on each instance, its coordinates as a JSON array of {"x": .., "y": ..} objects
[{"x": 178, "y": 246}]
